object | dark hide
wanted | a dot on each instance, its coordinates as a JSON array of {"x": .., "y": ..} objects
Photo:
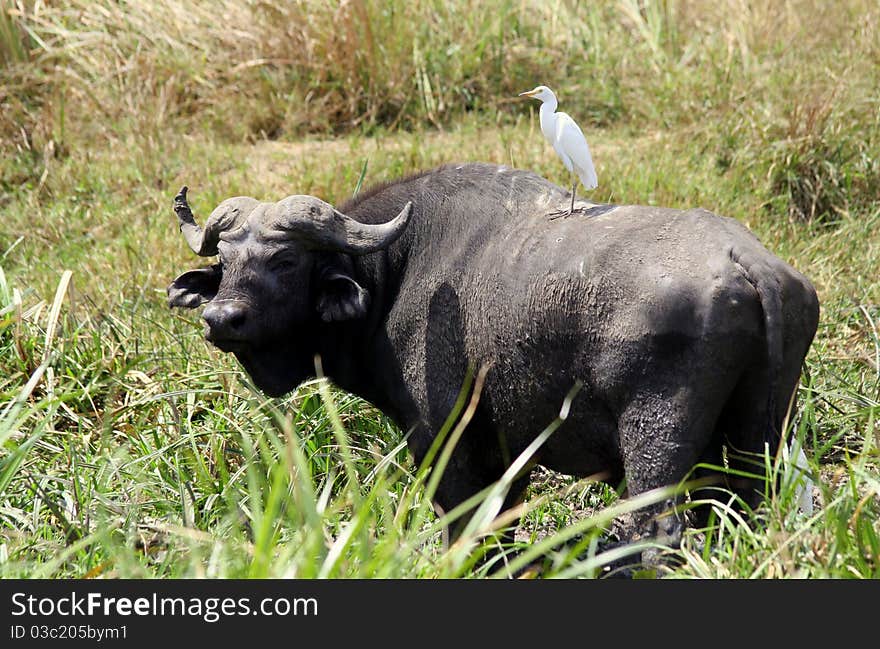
[{"x": 685, "y": 332}]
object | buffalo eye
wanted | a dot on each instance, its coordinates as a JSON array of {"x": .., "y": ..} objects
[{"x": 280, "y": 265}]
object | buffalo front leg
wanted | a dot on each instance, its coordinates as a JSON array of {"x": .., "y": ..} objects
[
  {"x": 466, "y": 476},
  {"x": 472, "y": 468}
]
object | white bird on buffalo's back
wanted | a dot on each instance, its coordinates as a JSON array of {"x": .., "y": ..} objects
[{"x": 567, "y": 139}]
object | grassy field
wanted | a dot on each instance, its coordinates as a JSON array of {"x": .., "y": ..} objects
[{"x": 131, "y": 448}]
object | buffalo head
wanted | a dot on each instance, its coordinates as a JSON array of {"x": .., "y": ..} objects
[{"x": 284, "y": 272}]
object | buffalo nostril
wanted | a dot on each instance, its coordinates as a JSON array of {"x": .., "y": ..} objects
[
  {"x": 225, "y": 319},
  {"x": 236, "y": 319}
]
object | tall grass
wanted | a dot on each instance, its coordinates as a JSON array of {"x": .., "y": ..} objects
[
  {"x": 76, "y": 73},
  {"x": 183, "y": 477},
  {"x": 165, "y": 466},
  {"x": 128, "y": 447}
]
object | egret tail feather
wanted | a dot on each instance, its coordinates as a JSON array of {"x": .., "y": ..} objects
[{"x": 588, "y": 178}]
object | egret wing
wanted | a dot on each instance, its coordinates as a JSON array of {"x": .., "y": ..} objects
[{"x": 571, "y": 140}]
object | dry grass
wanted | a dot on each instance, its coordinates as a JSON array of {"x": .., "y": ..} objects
[
  {"x": 311, "y": 66},
  {"x": 793, "y": 86}
]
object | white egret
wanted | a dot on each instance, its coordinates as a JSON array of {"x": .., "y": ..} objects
[{"x": 567, "y": 139}]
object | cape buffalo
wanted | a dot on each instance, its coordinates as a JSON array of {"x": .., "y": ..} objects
[{"x": 686, "y": 334}]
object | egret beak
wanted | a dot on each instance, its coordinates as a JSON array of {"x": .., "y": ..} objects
[{"x": 528, "y": 93}]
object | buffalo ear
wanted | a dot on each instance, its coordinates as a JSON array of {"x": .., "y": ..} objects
[
  {"x": 194, "y": 287},
  {"x": 341, "y": 298}
]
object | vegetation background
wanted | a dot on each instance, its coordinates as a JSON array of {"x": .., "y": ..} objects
[{"x": 131, "y": 448}]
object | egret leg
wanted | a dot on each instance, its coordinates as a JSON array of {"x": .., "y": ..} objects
[{"x": 563, "y": 215}]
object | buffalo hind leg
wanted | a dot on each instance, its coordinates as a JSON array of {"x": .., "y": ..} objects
[
  {"x": 712, "y": 478},
  {"x": 745, "y": 423},
  {"x": 662, "y": 437}
]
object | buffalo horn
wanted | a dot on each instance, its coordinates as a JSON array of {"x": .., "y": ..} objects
[
  {"x": 227, "y": 216},
  {"x": 330, "y": 229}
]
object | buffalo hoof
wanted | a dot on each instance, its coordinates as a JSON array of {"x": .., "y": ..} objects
[{"x": 666, "y": 530}]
